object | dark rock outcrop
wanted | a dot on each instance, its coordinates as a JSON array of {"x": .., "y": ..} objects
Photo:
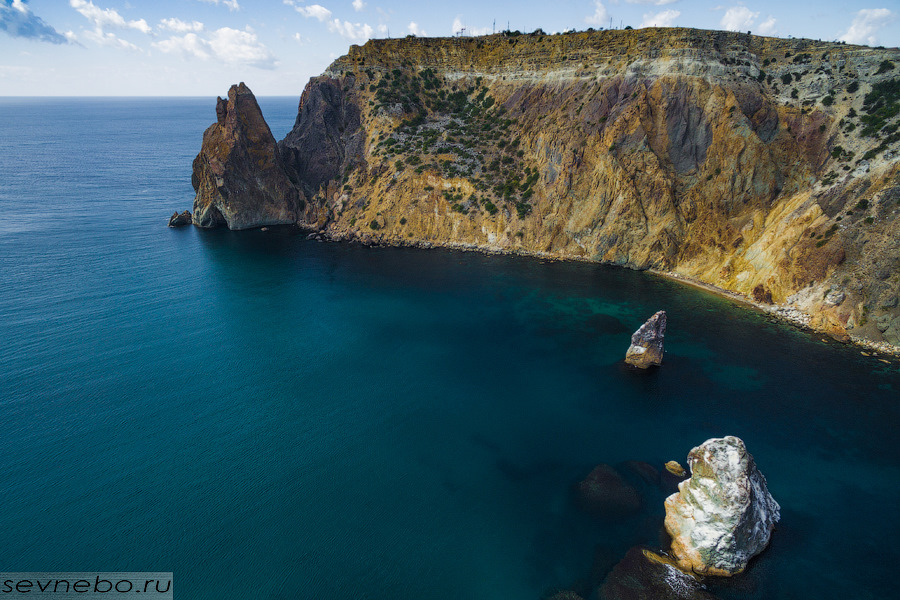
[
  {"x": 327, "y": 140},
  {"x": 180, "y": 220},
  {"x": 646, "y": 348},
  {"x": 238, "y": 175},
  {"x": 643, "y": 575},
  {"x": 724, "y": 514},
  {"x": 605, "y": 493}
]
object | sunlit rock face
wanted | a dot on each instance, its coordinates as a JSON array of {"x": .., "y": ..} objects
[
  {"x": 724, "y": 514},
  {"x": 749, "y": 163},
  {"x": 646, "y": 349}
]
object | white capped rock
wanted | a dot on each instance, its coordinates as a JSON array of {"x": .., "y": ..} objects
[{"x": 723, "y": 515}]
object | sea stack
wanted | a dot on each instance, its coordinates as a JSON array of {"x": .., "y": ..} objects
[
  {"x": 239, "y": 175},
  {"x": 723, "y": 515},
  {"x": 646, "y": 348}
]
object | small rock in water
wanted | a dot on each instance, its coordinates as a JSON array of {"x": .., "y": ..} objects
[
  {"x": 646, "y": 348},
  {"x": 724, "y": 514},
  {"x": 181, "y": 220},
  {"x": 675, "y": 469}
]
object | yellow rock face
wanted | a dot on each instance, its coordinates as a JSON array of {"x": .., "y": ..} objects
[{"x": 732, "y": 159}]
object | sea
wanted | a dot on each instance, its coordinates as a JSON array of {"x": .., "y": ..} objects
[{"x": 272, "y": 417}]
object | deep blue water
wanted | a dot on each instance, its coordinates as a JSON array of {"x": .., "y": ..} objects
[{"x": 271, "y": 417}]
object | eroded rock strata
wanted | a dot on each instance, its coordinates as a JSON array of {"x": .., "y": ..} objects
[
  {"x": 763, "y": 166},
  {"x": 724, "y": 514}
]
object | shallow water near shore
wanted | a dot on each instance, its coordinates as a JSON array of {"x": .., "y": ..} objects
[{"x": 273, "y": 417}]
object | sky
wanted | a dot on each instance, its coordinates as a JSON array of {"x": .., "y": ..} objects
[{"x": 201, "y": 47}]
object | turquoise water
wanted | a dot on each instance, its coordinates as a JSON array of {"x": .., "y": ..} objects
[{"x": 271, "y": 417}]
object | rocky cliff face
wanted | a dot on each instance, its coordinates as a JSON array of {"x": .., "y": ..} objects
[
  {"x": 723, "y": 515},
  {"x": 763, "y": 166},
  {"x": 239, "y": 176}
]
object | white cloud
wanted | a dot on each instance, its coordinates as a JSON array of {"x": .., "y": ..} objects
[
  {"x": 600, "y": 18},
  {"x": 767, "y": 27},
  {"x": 236, "y": 46},
  {"x": 109, "y": 39},
  {"x": 298, "y": 38},
  {"x": 313, "y": 11},
  {"x": 358, "y": 5},
  {"x": 107, "y": 17},
  {"x": 358, "y": 32},
  {"x": 866, "y": 24},
  {"x": 653, "y": 2},
  {"x": 189, "y": 44},
  {"x": 738, "y": 18},
  {"x": 458, "y": 25},
  {"x": 15, "y": 72},
  {"x": 16, "y": 20},
  {"x": 231, "y": 4},
  {"x": 233, "y": 46},
  {"x": 414, "y": 29},
  {"x": 661, "y": 19},
  {"x": 383, "y": 29},
  {"x": 179, "y": 26}
]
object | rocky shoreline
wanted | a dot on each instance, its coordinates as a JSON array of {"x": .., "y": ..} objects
[
  {"x": 787, "y": 314},
  {"x": 675, "y": 150},
  {"x": 784, "y": 314}
]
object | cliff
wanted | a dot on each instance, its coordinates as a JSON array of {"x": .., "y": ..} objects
[{"x": 764, "y": 166}]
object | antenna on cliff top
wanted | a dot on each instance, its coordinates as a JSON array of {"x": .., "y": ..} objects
[
  {"x": 461, "y": 32},
  {"x": 494, "y": 27}
]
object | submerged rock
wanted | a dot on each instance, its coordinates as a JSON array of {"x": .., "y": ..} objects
[
  {"x": 181, "y": 220},
  {"x": 643, "y": 575},
  {"x": 723, "y": 515},
  {"x": 565, "y": 595},
  {"x": 604, "y": 492},
  {"x": 646, "y": 348}
]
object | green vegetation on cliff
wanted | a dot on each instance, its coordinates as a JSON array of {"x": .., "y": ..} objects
[{"x": 726, "y": 157}]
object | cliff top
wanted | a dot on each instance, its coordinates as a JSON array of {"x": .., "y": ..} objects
[{"x": 587, "y": 48}]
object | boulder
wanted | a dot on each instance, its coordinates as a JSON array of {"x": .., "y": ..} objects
[
  {"x": 180, "y": 220},
  {"x": 646, "y": 348},
  {"x": 675, "y": 469},
  {"x": 605, "y": 493},
  {"x": 239, "y": 175},
  {"x": 723, "y": 515},
  {"x": 644, "y": 575}
]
